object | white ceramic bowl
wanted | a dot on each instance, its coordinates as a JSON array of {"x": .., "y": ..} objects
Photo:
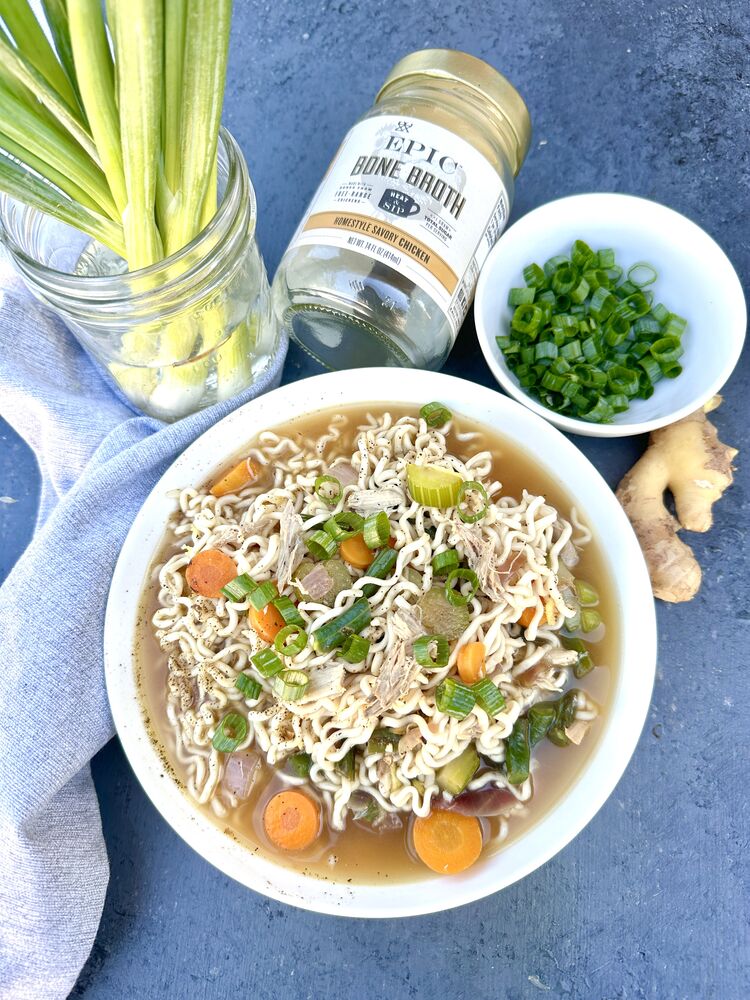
[
  {"x": 696, "y": 280},
  {"x": 633, "y": 677}
]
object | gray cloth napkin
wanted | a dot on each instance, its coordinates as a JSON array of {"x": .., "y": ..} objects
[{"x": 98, "y": 461}]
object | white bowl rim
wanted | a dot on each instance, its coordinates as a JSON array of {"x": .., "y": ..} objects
[
  {"x": 602, "y": 200},
  {"x": 629, "y": 701}
]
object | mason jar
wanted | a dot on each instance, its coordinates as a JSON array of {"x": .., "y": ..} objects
[
  {"x": 174, "y": 337},
  {"x": 383, "y": 266}
]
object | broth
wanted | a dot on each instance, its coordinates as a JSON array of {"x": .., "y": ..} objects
[{"x": 358, "y": 853}]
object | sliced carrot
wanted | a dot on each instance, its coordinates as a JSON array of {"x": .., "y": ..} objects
[
  {"x": 447, "y": 842},
  {"x": 292, "y": 820},
  {"x": 354, "y": 551},
  {"x": 471, "y": 662},
  {"x": 244, "y": 473},
  {"x": 268, "y": 622},
  {"x": 527, "y": 616},
  {"x": 209, "y": 571}
]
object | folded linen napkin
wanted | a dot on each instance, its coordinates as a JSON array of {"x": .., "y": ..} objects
[{"x": 98, "y": 461}]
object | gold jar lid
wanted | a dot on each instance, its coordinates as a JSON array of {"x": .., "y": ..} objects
[{"x": 479, "y": 76}]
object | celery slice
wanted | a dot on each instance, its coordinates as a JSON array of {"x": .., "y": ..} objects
[
  {"x": 18, "y": 182},
  {"x": 138, "y": 55},
  {"x": 433, "y": 486},
  {"x": 454, "y": 776},
  {"x": 31, "y": 40},
  {"x": 95, "y": 73}
]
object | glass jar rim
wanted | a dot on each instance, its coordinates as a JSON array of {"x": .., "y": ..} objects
[{"x": 238, "y": 183}]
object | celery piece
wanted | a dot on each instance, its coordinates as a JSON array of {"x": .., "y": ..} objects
[
  {"x": 203, "y": 77},
  {"x": 95, "y": 74},
  {"x": 40, "y": 166},
  {"x": 138, "y": 58},
  {"x": 17, "y": 65},
  {"x": 49, "y": 143},
  {"x": 175, "y": 20},
  {"x": 56, "y": 16},
  {"x": 18, "y": 182},
  {"x": 433, "y": 486},
  {"x": 30, "y": 38}
]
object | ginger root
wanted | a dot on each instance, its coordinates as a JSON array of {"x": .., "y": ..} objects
[{"x": 688, "y": 459}]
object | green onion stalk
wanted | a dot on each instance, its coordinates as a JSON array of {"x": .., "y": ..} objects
[{"x": 113, "y": 128}]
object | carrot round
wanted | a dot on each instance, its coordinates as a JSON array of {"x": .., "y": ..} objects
[
  {"x": 527, "y": 616},
  {"x": 291, "y": 820},
  {"x": 268, "y": 622},
  {"x": 209, "y": 571},
  {"x": 471, "y": 662},
  {"x": 447, "y": 842},
  {"x": 354, "y": 551},
  {"x": 244, "y": 473}
]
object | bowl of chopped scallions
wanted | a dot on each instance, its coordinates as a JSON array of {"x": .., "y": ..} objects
[{"x": 609, "y": 315}]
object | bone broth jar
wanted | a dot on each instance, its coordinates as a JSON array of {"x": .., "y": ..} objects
[{"x": 382, "y": 268}]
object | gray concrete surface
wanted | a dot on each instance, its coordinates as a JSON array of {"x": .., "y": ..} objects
[{"x": 651, "y": 900}]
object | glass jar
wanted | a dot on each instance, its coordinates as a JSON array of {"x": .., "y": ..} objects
[
  {"x": 383, "y": 266},
  {"x": 174, "y": 337}
]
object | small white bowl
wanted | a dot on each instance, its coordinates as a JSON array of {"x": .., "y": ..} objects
[
  {"x": 695, "y": 280},
  {"x": 632, "y": 678}
]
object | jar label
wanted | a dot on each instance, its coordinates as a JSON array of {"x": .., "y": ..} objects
[{"x": 414, "y": 196}]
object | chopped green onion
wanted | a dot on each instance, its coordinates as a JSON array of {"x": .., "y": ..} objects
[
  {"x": 376, "y": 530},
  {"x": 347, "y": 766},
  {"x": 290, "y": 640},
  {"x": 266, "y": 662},
  {"x": 248, "y": 686},
  {"x": 469, "y": 516},
  {"x": 518, "y": 753},
  {"x": 456, "y": 597},
  {"x": 328, "y": 489},
  {"x": 584, "y": 664},
  {"x": 238, "y": 589},
  {"x": 527, "y": 319},
  {"x": 590, "y": 619},
  {"x": 263, "y": 594},
  {"x": 520, "y": 296},
  {"x": 288, "y": 611},
  {"x": 433, "y": 486},
  {"x": 351, "y": 621},
  {"x": 355, "y": 649},
  {"x": 230, "y": 732},
  {"x": 445, "y": 561},
  {"x": 666, "y": 349},
  {"x": 432, "y": 651},
  {"x": 455, "y": 698},
  {"x": 320, "y": 545},
  {"x": 300, "y": 764},
  {"x": 565, "y": 708},
  {"x": 344, "y": 525},
  {"x": 454, "y": 776},
  {"x": 581, "y": 253},
  {"x": 380, "y": 567},
  {"x": 542, "y": 717},
  {"x": 606, "y": 258},
  {"x": 553, "y": 263},
  {"x": 586, "y": 594},
  {"x": 490, "y": 698},
  {"x": 534, "y": 276},
  {"x": 382, "y": 740},
  {"x": 435, "y": 414},
  {"x": 289, "y": 685}
]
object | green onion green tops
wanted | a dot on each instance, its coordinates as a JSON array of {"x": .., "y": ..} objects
[
  {"x": 584, "y": 341},
  {"x": 230, "y": 732}
]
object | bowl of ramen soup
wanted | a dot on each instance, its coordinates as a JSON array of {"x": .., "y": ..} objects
[{"x": 380, "y": 643}]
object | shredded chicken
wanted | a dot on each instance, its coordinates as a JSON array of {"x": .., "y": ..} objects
[
  {"x": 399, "y": 668},
  {"x": 371, "y": 501},
  {"x": 411, "y": 739},
  {"x": 577, "y": 730},
  {"x": 481, "y": 557},
  {"x": 345, "y": 472},
  {"x": 291, "y": 546},
  {"x": 316, "y": 583}
]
